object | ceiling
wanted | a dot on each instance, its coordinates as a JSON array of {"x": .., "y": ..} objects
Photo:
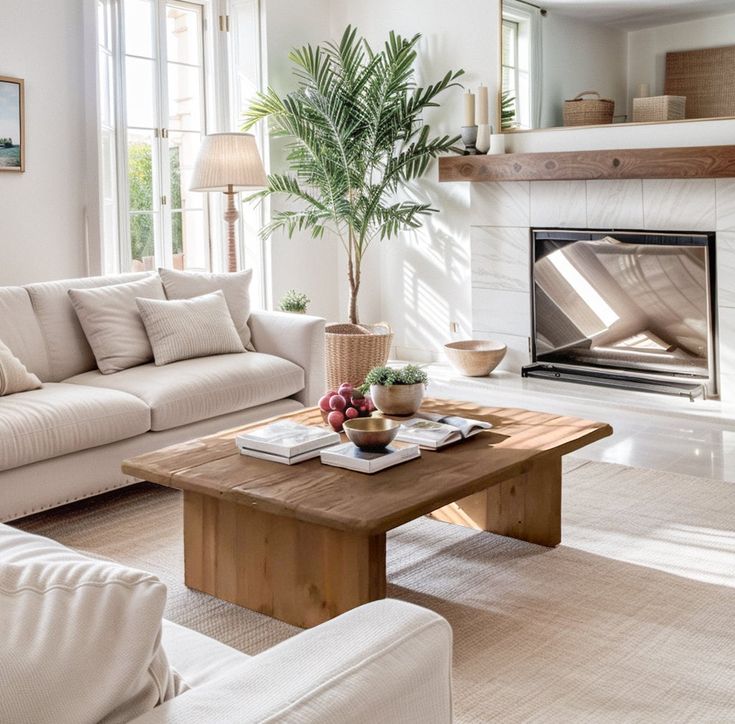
[{"x": 635, "y": 14}]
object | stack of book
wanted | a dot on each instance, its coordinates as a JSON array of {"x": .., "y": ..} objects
[
  {"x": 349, "y": 456},
  {"x": 286, "y": 442}
]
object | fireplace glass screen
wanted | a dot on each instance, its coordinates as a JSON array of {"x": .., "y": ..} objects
[{"x": 626, "y": 302}]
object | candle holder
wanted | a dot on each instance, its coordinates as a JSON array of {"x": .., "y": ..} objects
[
  {"x": 469, "y": 138},
  {"x": 484, "y": 131}
]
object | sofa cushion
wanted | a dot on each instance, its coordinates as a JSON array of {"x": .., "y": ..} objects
[
  {"x": 14, "y": 377},
  {"x": 81, "y": 637},
  {"x": 234, "y": 285},
  {"x": 60, "y": 419},
  {"x": 19, "y": 329},
  {"x": 196, "y": 389},
  {"x": 68, "y": 351},
  {"x": 187, "y": 328},
  {"x": 112, "y": 325},
  {"x": 199, "y": 659}
]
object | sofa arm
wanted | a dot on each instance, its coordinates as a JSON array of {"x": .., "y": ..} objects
[
  {"x": 298, "y": 338},
  {"x": 387, "y": 661}
]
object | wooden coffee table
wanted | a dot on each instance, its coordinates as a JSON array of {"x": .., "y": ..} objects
[{"x": 304, "y": 543}]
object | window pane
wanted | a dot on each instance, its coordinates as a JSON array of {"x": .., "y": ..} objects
[
  {"x": 142, "y": 241},
  {"x": 141, "y": 171},
  {"x": 190, "y": 240},
  {"x": 184, "y": 97},
  {"x": 183, "y": 35},
  {"x": 183, "y": 149},
  {"x": 139, "y": 28},
  {"x": 140, "y": 85}
]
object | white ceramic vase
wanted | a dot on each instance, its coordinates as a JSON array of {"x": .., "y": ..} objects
[
  {"x": 397, "y": 399},
  {"x": 484, "y": 131}
]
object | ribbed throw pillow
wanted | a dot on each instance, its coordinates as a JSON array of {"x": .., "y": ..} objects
[
  {"x": 112, "y": 325},
  {"x": 81, "y": 638},
  {"x": 234, "y": 285},
  {"x": 185, "y": 328},
  {"x": 14, "y": 377}
]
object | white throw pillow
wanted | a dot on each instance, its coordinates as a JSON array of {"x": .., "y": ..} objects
[
  {"x": 185, "y": 328},
  {"x": 81, "y": 638},
  {"x": 111, "y": 322},
  {"x": 234, "y": 285},
  {"x": 14, "y": 377}
]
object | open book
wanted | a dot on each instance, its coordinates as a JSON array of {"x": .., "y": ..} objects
[{"x": 431, "y": 430}]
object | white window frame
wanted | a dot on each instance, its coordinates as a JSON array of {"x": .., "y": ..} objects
[
  {"x": 528, "y": 60},
  {"x": 219, "y": 100}
]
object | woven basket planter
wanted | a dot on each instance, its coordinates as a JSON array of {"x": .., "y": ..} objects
[
  {"x": 588, "y": 111},
  {"x": 352, "y": 350}
]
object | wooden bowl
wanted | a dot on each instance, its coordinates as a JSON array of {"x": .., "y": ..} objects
[
  {"x": 475, "y": 357},
  {"x": 371, "y": 433}
]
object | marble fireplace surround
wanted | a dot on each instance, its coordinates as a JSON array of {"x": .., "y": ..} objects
[{"x": 502, "y": 214}]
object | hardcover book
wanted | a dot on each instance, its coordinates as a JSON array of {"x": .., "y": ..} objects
[{"x": 348, "y": 455}]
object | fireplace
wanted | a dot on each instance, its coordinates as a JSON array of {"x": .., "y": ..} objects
[{"x": 634, "y": 309}]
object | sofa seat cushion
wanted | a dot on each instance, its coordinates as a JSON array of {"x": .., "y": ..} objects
[
  {"x": 81, "y": 638},
  {"x": 198, "y": 659},
  {"x": 197, "y": 389},
  {"x": 59, "y": 419}
]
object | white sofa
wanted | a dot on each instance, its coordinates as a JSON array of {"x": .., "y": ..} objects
[
  {"x": 66, "y": 441},
  {"x": 83, "y": 641}
]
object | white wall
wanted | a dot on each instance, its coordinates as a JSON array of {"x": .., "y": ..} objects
[
  {"x": 603, "y": 50},
  {"x": 648, "y": 47},
  {"x": 42, "y": 210},
  {"x": 425, "y": 275},
  {"x": 302, "y": 263}
]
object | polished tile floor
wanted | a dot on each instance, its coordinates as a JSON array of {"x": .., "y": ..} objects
[{"x": 651, "y": 431}]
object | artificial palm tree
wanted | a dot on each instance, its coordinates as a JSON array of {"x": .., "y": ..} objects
[{"x": 356, "y": 137}]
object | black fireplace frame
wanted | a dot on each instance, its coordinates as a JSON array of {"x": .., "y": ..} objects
[{"x": 691, "y": 386}]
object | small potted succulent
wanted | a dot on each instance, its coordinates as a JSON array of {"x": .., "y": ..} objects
[
  {"x": 396, "y": 391},
  {"x": 293, "y": 301}
]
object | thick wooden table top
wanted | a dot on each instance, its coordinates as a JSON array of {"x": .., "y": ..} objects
[{"x": 347, "y": 500}]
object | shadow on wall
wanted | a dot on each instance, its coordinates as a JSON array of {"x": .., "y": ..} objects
[{"x": 426, "y": 276}]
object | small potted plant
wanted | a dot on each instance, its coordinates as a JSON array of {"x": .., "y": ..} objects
[
  {"x": 396, "y": 391},
  {"x": 293, "y": 301}
]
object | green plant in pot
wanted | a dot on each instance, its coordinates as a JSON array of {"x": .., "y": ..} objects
[
  {"x": 396, "y": 391},
  {"x": 355, "y": 138},
  {"x": 293, "y": 301}
]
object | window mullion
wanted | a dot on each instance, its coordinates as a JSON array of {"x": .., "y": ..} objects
[{"x": 163, "y": 227}]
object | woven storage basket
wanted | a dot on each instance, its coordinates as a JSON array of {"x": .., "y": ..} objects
[
  {"x": 659, "y": 108},
  {"x": 588, "y": 111},
  {"x": 352, "y": 350}
]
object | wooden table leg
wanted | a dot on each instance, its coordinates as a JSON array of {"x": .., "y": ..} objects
[
  {"x": 299, "y": 572},
  {"x": 527, "y": 507}
]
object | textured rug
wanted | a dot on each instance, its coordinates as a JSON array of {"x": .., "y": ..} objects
[{"x": 631, "y": 619}]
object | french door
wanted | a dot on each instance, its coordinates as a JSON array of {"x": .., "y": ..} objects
[{"x": 162, "y": 223}]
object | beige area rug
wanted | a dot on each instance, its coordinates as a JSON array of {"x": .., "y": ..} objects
[{"x": 632, "y": 619}]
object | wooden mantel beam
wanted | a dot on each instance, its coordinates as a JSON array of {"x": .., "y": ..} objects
[{"x": 670, "y": 163}]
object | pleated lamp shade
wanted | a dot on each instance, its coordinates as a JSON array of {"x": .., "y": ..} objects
[{"x": 228, "y": 160}]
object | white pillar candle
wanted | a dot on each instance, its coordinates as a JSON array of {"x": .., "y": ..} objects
[
  {"x": 497, "y": 143},
  {"x": 482, "y": 104},
  {"x": 643, "y": 90},
  {"x": 469, "y": 109}
]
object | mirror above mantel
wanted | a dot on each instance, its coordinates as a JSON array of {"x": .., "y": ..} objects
[{"x": 650, "y": 61}]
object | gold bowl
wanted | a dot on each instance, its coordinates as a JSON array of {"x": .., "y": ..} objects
[{"x": 371, "y": 434}]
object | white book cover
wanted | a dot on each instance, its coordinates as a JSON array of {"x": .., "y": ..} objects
[
  {"x": 347, "y": 455},
  {"x": 309, "y": 455},
  {"x": 287, "y": 438},
  {"x": 434, "y": 431}
]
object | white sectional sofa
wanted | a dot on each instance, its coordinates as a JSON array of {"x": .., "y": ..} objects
[
  {"x": 84, "y": 641},
  {"x": 66, "y": 440}
]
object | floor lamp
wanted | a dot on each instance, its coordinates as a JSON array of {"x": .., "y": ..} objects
[{"x": 229, "y": 162}]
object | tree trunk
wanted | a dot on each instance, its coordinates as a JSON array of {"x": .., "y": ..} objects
[
  {"x": 354, "y": 318},
  {"x": 353, "y": 275}
]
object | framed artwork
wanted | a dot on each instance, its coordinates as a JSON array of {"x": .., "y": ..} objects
[{"x": 12, "y": 132}]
